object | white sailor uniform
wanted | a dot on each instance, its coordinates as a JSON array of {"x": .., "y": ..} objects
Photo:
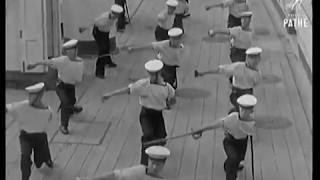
[
  {"x": 157, "y": 156},
  {"x": 101, "y": 31},
  {"x": 32, "y": 122},
  {"x": 241, "y": 41},
  {"x": 236, "y": 7},
  {"x": 153, "y": 99},
  {"x": 69, "y": 73},
  {"x": 170, "y": 56},
  {"x": 236, "y": 137},
  {"x": 243, "y": 78},
  {"x": 165, "y": 22},
  {"x": 180, "y": 12}
]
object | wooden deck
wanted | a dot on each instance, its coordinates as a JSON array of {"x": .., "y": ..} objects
[{"x": 280, "y": 154}]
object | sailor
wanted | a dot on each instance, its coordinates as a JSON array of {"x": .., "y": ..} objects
[
  {"x": 236, "y": 7},
  {"x": 121, "y": 23},
  {"x": 165, "y": 21},
  {"x": 170, "y": 52},
  {"x": 237, "y": 127},
  {"x": 241, "y": 37},
  {"x": 70, "y": 72},
  {"x": 155, "y": 95},
  {"x": 32, "y": 117},
  {"x": 101, "y": 31},
  {"x": 157, "y": 158},
  {"x": 245, "y": 75},
  {"x": 181, "y": 12}
]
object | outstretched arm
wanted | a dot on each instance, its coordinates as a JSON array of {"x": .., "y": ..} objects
[
  {"x": 108, "y": 176},
  {"x": 141, "y": 47},
  {"x": 198, "y": 133},
  {"x": 50, "y": 62},
  {"x": 213, "y": 71},
  {"x": 213, "y": 32},
  {"x": 125, "y": 90},
  {"x": 208, "y": 7}
]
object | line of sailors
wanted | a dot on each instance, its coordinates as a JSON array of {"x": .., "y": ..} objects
[
  {"x": 103, "y": 24},
  {"x": 156, "y": 93}
]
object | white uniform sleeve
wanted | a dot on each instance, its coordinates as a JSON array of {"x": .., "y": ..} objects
[
  {"x": 58, "y": 62},
  {"x": 227, "y": 3},
  {"x": 131, "y": 173},
  {"x": 139, "y": 87},
  {"x": 12, "y": 108},
  {"x": 235, "y": 31},
  {"x": 171, "y": 91},
  {"x": 228, "y": 69},
  {"x": 228, "y": 122},
  {"x": 156, "y": 45},
  {"x": 161, "y": 16}
]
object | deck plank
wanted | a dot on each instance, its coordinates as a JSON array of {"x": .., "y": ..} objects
[
  {"x": 300, "y": 120},
  {"x": 75, "y": 163},
  {"x": 297, "y": 161},
  {"x": 280, "y": 148}
]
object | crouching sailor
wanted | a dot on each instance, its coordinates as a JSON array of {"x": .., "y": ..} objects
[
  {"x": 32, "y": 117},
  {"x": 70, "y": 72},
  {"x": 154, "y": 96},
  {"x": 157, "y": 158}
]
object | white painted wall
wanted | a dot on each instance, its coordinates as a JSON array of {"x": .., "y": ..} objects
[
  {"x": 12, "y": 36},
  {"x": 30, "y": 20}
]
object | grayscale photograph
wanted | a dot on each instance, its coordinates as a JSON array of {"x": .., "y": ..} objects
[{"x": 158, "y": 89}]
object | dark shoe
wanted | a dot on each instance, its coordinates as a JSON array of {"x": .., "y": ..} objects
[
  {"x": 49, "y": 164},
  {"x": 77, "y": 109},
  {"x": 64, "y": 130},
  {"x": 112, "y": 65}
]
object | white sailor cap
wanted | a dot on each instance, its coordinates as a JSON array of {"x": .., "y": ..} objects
[
  {"x": 158, "y": 152},
  {"x": 173, "y": 3},
  {"x": 174, "y": 32},
  {"x": 247, "y": 101},
  {"x": 153, "y": 65},
  {"x": 35, "y": 88},
  {"x": 116, "y": 8},
  {"x": 70, "y": 44},
  {"x": 253, "y": 51},
  {"x": 246, "y": 14}
]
